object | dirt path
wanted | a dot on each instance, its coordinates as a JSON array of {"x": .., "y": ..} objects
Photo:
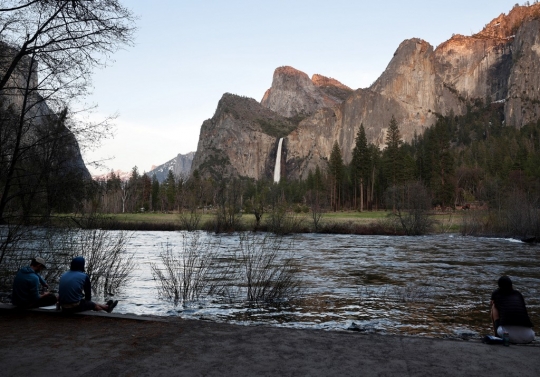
[{"x": 41, "y": 344}]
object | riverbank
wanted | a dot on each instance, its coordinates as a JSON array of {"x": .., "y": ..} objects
[
  {"x": 44, "y": 344},
  {"x": 340, "y": 222}
]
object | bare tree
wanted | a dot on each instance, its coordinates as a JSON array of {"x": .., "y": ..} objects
[
  {"x": 412, "y": 203},
  {"x": 229, "y": 205},
  {"x": 108, "y": 263},
  {"x": 280, "y": 220},
  {"x": 522, "y": 214},
  {"x": 315, "y": 202},
  {"x": 47, "y": 54}
]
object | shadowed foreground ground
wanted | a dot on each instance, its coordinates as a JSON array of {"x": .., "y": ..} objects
[{"x": 46, "y": 344}]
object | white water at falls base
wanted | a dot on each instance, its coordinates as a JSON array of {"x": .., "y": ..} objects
[{"x": 277, "y": 168}]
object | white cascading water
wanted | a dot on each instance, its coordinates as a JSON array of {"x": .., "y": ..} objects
[{"x": 277, "y": 168}]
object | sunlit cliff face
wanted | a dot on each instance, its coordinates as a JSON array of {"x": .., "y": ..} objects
[
  {"x": 500, "y": 64},
  {"x": 294, "y": 93}
]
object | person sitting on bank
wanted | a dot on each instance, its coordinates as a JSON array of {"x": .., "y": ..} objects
[
  {"x": 509, "y": 313},
  {"x": 27, "y": 286},
  {"x": 75, "y": 290}
]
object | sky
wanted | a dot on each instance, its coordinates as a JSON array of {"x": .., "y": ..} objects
[{"x": 188, "y": 53}]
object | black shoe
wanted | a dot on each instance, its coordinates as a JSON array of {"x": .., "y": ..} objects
[
  {"x": 109, "y": 303},
  {"x": 112, "y": 306}
]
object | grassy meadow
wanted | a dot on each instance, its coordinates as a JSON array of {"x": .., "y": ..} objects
[{"x": 368, "y": 222}]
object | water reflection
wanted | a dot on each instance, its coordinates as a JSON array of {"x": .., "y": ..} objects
[{"x": 433, "y": 286}]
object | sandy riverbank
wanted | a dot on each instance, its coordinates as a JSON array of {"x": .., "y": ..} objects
[{"x": 45, "y": 344}]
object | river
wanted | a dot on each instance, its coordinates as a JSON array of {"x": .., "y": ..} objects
[{"x": 436, "y": 286}]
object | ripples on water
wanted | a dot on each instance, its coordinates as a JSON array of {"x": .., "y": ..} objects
[{"x": 433, "y": 286}]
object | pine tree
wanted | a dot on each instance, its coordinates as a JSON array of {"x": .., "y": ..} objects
[
  {"x": 360, "y": 165},
  {"x": 441, "y": 163},
  {"x": 392, "y": 155},
  {"x": 155, "y": 192},
  {"x": 318, "y": 179},
  {"x": 335, "y": 166},
  {"x": 170, "y": 184}
]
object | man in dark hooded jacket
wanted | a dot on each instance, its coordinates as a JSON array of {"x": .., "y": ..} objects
[
  {"x": 75, "y": 290},
  {"x": 27, "y": 285}
]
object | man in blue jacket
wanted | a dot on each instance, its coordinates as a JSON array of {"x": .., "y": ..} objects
[
  {"x": 75, "y": 290},
  {"x": 27, "y": 285}
]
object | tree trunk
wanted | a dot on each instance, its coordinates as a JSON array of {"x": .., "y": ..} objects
[{"x": 361, "y": 194}]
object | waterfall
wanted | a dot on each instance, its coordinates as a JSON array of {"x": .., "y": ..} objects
[{"x": 277, "y": 168}]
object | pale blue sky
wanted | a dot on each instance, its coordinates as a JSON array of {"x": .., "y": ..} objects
[{"x": 188, "y": 53}]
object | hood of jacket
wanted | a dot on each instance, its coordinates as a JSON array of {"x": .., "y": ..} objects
[{"x": 27, "y": 270}]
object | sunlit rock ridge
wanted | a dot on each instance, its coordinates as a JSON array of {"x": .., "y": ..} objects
[
  {"x": 499, "y": 64},
  {"x": 294, "y": 93}
]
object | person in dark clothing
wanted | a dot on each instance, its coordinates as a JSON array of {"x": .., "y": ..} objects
[
  {"x": 27, "y": 285},
  {"x": 75, "y": 290},
  {"x": 509, "y": 313}
]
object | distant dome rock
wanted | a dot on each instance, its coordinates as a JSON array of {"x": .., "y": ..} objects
[{"x": 180, "y": 167}]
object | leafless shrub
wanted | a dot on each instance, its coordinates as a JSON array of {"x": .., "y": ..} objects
[
  {"x": 107, "y": 263},
  {"x": 47, "y": 243},
  {"x": 281, "y": 221},
  {"x": 190, "y": 219},
  {"x": 445, "y": 222},
  {"x": 315, "y": 201},
  {"x": 56, "y": 247},
  {"x": 412, "y": 292},
  {"x": 412, "y": 203},
  {"x": 522, "y": 215},
  {"x": 193, "y": 272},
  {"x": 269, "y": 269},
  {"x": 473, "y": 223},
  {"x": 12, "y": 253},
  {"x": 228, "y": 197},
  {"x": 261, "y": 270},
  {"x": 369, "y": 293}
]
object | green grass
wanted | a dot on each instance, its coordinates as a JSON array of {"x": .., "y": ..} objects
[
  {"x": 248, "y": 219},
  {"x": 444, "y": 223},
  {"x": 354, "y": 215}
]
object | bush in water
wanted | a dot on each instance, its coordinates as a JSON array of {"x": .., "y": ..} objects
[{"x": 261, "y": 270}]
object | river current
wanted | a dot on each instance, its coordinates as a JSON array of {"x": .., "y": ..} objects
[{"x": 437, "y": 285}]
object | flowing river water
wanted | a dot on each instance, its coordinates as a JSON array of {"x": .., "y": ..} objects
[{"x": 436, "y": 286}]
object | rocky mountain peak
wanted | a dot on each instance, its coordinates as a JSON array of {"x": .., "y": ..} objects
[
  {"x": 323, "y": 81},
  {"x": 180, "y": 166},
  {"x": 505, "y": 26},
  {"x": 408, "y": 80},
  {"x": 294, "y": 93},
  {"x": 242, "y": 108},
  {"x": 332, "y": 87}
]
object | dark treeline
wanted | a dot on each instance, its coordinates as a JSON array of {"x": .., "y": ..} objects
[{"x": 469, "y": 161}]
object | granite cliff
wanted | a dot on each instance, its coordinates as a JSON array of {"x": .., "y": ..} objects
[
  {"x": 240, "y": 139},
  {"x": 499, "y": 64},
  {"x": 293, "y": 93},
  {"x": 42, "y": 126}
]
